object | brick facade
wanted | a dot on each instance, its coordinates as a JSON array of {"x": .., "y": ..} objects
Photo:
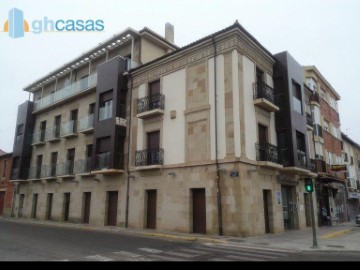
[{"x": 5, "y": 185}]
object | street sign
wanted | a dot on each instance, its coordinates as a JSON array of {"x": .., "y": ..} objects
[{"x": 338, "y": 168}]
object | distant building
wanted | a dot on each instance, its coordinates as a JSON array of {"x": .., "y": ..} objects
[{"x": 6, "y": 187}]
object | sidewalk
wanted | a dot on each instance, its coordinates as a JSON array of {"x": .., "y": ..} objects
[{"x": 340, "y": 237}]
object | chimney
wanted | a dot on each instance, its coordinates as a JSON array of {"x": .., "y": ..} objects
[{"x": 169, "y": 32}]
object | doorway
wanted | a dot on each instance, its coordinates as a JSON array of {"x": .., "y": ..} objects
[
  {"x": 66, "y": 206},
  {"x": 199, "y": 210},
  {"x": 34, "y": 205},
  {"x": 151, "y": 209},
  {"x": 267, "y": 209},
  {"x": 87, "y": 201},
  {"x": 49, "y": 206},
  {"x": 112, "y": 208},
  {"x": 289, "y": 207},
  {"x": 21, "y": 205},
  {"x": 2, "y": 200},
  {"x": 307, "y": 209},
  {"x": 153, "y": 144}
]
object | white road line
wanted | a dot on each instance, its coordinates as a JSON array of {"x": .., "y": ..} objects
[
  {"x": 127, "y": 254},
  {"x": 234, "y": 252},
  {"x": 256, "y": 251},
  {"x": 243, "y": 258},
  {"x": 166, "y": 258},
  {"x": 99, "y": 258},
  {"x": 253, "y": 248},
  {"x": 193, "y": 251},
  {"x": 151, "y": 250},
  {"x": 180, "y": 254}
]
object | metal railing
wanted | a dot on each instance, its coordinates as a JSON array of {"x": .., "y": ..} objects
[
  {"x": 301, "y": 158},
  {"x": 53, "y": 133},
  {"x": 148, "y": 157},
  {"x": 262, "y": 90},
  {"x": 35, "y": 172},
  {"x": 67, "y": 91},
  {"x": 315, "y": 97},
  {"x": 83, "y": 165},
  {"x": 267, "y": 152},
  {"x": 38, "y": 137},
  {"x": 150, "y": 103},
  {"x": 309, "y": 120},
  {"x": 312, "y": 165},
  {"x": 105, "y": 112},
  {"x": 86, "y": 122},
  {"x": 69, "y": 128},
  {"x": 48, "y": 171},
  {"x": 102, "y": 161},
  {"x": 65, "y": 168},
  {"x": 15, "y": 173},
  {"x": 131, "y": 64}
]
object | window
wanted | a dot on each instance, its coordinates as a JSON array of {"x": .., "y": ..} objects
[
  {"x": 73, "y": 120},
  {"x": 297, "y": 97},
  {"x": 351, "y": 160},
  {"x": 301, "y": 149},
  {"x": 38, "y": 166},
  {"x": 4, "y": 168},
  {"x": 106, "y": 104},
  {"x": 57, "y": 123},
  {"x": 91, "y": 108},
  {"x": 70, "y": 161},
  {"x": 311, "y": 83},
  {"x": 326, "y": 125},
  {"x": 322, "y": 94},
  {"x": 103, "y": 147},
  {"x": 330, "y": 158},
  {"x": 345, "y": 157},
  {"x": 42, "y": 130},
  {"x": 154, "y": 95},
  {"x": 19, "y": 132}
]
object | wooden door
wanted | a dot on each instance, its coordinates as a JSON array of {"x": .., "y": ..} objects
[
  {"x": 66, "y": 206},
  {"x": 154, "y": 95},
  {"x": 49, "y": 206},
  {"x": 34, "y": 206},
  {"x": 112, "y": 208},
  {"x": 266, "y": 197},
  {"x": 153, "y": 144},
  {"x": 87, "y": 200},
  {"x": 2, "y": 201},
  {"x": 263, "y": 139},
  {"x": 151, "y": 209},
  {"x": 199, "y": 211},
  {"x": 21, "y": 205}
]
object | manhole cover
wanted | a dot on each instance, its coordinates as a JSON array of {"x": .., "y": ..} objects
[{"x": 335, "y": 246}]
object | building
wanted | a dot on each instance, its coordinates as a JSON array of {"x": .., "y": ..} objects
[
  {"x": 6, "y": 187},
  {"x": 351, "y": 154},
  {"x": 291, "y": 129},
  {"x": 70, "y": 142},
  {"x": 326, "y": 148}
]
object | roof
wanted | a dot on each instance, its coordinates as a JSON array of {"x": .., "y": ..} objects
[
  {"x": 346, "y": 138},
  {"x": 4, "y": 154},
  {"x": 322, "y": 78},
  {"x": 114, "y": 41},
  {"x": 236, "y": 25}
]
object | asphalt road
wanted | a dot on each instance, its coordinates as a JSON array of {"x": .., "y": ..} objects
[{"x": 35, "y": 242}]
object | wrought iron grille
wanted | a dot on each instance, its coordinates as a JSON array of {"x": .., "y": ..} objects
[
  {"x": 147, "y": 157},
  {"x": 151, "y": 103}
]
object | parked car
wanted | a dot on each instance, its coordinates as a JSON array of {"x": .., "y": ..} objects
[{"x": 357, "y": 219}]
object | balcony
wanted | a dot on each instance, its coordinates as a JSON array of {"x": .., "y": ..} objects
[
  {"x": 69, "y": 91},
  {"x": 149, "y": 159},
  {"x": 268, "y": 155},
  {"x": 312, "y": 165},
  {"x": 86, "y": 124},
  {"x": 318, "y": 130},
  {"x": 315, "y": 97},
  {"x": 53, "y": 134},
  {"x": 69, "y": 129},
  {"x": 150, "y": 106},
  {"x": 48, "y": 171},
  {"x": 65, "y": 169},
  {"x": 15, "y": 174},
  {"x": 102, "y": 164},
  {"x": 105, "y": 112},
  {"x": 301, "y": 159},
  {"x": 309, "y": 121},
  {"x": 38, "y": 138},
  {"x": 35, "y": 173},
  {"x": 264, "y": 97},
  {"x": 83, "y": 166}
]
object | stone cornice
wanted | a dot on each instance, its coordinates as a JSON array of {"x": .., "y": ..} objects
[{"x": 203, "y": 51}]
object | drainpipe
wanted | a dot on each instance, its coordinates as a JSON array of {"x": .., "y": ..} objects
[
  {"x": 128, "y": 163},
  {"x": 218, "y": 190}
]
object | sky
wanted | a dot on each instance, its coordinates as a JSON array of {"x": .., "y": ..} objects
[{"x": 324, "y": 33}]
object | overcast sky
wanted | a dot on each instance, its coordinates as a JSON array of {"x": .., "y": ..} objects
[{"x": 324, "y": 33}]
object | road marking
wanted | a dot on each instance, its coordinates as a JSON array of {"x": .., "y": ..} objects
[
  {"x": 166, "y": 258},
  {"x": 286, "y": 252},
  {"x": 334, "y": 234},
  {"x": 259, "y": 251},
  {"x": 127, "y": 254},
  {"x": 193, "y": 251},
  {"x": 180, "y": 254},
  {"x": 151, "y": 250},
  {"x": 243, "y": 258},
  {"x": 236, "y": 252},
  {"x": 99, "y": 258}
]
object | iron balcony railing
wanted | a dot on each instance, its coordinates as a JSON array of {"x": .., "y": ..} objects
[
  {"x": 148, "y": 157},
  {"x": 309, "y": 120},
  {"x": 65, "y": 168},
  {"x": 301, "y": 158},
  {"x": 48, "y": 171},
  {"x": 105, "y": 112},
  {"x": 312, "y": 165},
  {"x": 38, "y": 137},
  {"x": 83, "y": 165},
  {"x": 35, "y": 172},
  {"x": 267, "y": 152},
  {"x": 53, "y": 133},
  {"x": 102, "y": 161},
  {"x": 150, "y": 103},
  {"x": 86, "y": 122},
  {"x": 69, "y": 128},
  {"x": 262, "y": 90},
  {"x": 66, "y": 92}
]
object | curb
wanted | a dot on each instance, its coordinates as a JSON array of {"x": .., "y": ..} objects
[
  {"x": 178, "y": 237},
  {"x": 334, "y": 234}
]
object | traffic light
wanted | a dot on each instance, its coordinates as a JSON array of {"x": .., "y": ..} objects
[{"x": 309, "y": 185}]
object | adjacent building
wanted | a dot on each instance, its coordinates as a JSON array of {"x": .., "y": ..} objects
[
  {"x": 326, "y": 146},
  {"x": 6, "y": 187},
  {"x": 351, "y": 155}
]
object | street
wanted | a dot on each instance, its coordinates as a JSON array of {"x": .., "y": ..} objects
[{"x": 35, "y": 242}]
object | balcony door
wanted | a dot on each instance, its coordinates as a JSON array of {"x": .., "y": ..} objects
[
  {"x": 263, "y": 139},
  {"x": 57, "y": 123},
  {"x": 73, "y": 119},
  {"x": 54, "y": 157},
  {"x": 153, "y": 145},
  {"x": 154, "y": 95},
  {"x": 71, "y": 160}
]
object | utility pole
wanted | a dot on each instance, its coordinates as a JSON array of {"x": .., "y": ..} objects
[{"x": 315, "y": 243}]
